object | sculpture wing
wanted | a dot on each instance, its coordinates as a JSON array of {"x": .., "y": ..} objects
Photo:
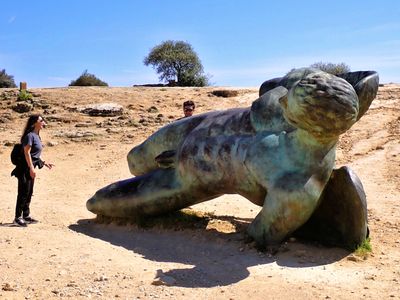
[
  {"x": 269, "y": 85},
  {"x": 366, "y": 85}
]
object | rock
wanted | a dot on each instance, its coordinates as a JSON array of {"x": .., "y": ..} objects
[
  {"x": 7, "y": 287},
  {"x": 41, "y": 104},
  {"x": 72, "y": 284},
  {"x": 22, "y": 107},
  {"x": 8, "y": 94},
  {"x": 5, "y": 117},
  {"x": 162, "y": 279},
  {"x": 78, "y": 134},
  {"x": 54, "y": 119},
  {"x": 49, "y": 111},
  {"x": 152, "y": 109},
  {"x": 354, "y": 258},
  {"x": 101, "y": 278},
  {"x": 102, "y": 109},
  {"x": 82, "y": 125},
  {"x": 113, "y": 130},
  {"x": 52, "y": 144}
]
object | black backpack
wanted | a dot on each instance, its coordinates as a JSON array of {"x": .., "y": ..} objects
[{"x": 17, "y": 154}]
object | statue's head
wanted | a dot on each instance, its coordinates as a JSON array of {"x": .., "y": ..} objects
[{"x": 320, "y": 103}]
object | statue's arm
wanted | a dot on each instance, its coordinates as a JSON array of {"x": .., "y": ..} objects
[
  {"x": 287, "y": 206},
  {"x": 266, "y": 112}
]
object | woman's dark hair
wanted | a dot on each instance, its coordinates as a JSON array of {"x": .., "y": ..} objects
[{"x": 30, "y": 125}]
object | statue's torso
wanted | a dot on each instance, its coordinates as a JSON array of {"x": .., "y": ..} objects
[{"x": 250, "y": 164}]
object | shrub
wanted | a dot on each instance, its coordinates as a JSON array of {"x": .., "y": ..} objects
[
  {"x": 364, "y": 249},
  {"x": 6, "y": 81},
  {"x": 331, "y": 68},
  {"x": 225, "y": 93},
  {"x": 87, "y": 79},
  {"x": 24, "y": 96}
]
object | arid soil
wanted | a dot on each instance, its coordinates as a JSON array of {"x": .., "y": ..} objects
[{"x": 69, "y": 255}]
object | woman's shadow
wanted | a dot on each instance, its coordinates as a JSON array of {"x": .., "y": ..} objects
[{"x": 216, "y": 258}]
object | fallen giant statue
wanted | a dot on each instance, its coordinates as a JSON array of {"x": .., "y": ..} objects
[{"x": 279, "y": 153}]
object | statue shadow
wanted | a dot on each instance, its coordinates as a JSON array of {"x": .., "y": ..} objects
[{"x": 215, "y": 258}]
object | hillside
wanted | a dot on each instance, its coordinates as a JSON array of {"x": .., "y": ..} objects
[{"x": 68, "y": 255}]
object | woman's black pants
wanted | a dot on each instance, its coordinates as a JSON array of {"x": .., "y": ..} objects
[{"x": 25, "y": 190}]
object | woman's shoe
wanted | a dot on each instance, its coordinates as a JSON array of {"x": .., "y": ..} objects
[
  {"x": 30, "y": 220},
  {"x": 20, "y": 222}
]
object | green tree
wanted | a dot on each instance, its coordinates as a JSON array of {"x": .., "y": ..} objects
[
  {"x": 6, "y": 81},
  {"x": 87, "y": 79},
  {"x": 176, "y": 60},
  {"x": 331, "y": 67}
]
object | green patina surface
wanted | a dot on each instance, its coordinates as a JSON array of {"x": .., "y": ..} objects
[{"x": 279, "y": 154}]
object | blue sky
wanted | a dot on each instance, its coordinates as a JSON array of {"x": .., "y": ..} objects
[{"x": 240, "y": 43}]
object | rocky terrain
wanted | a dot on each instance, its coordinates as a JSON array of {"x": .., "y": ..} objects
[{"x": 70, "y": 255}]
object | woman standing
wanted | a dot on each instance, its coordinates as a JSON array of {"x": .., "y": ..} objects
[{"x": 25, "y": 172}]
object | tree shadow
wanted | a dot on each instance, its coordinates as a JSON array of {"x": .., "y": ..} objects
[{"x": 218, "y": 258}]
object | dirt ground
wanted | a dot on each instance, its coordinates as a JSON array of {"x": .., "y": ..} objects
[{"x": 68, "y": 255}]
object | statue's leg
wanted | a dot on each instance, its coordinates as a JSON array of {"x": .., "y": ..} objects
[
  {"x": 157, "y": 192},
  {"x": 279, "y": 217}
]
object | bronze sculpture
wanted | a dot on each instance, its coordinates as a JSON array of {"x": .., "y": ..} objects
[{"x": 279, "y": 154}]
